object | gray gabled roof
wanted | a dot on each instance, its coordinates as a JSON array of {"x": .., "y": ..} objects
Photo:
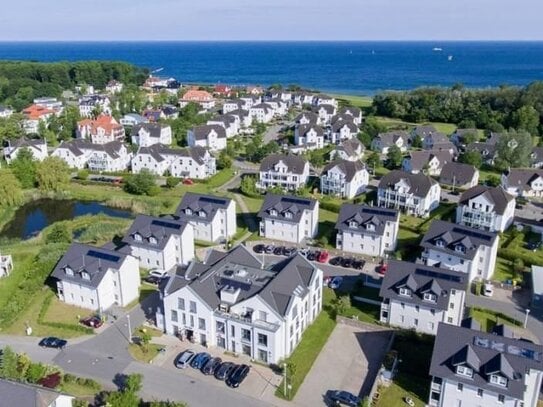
[
  {"x": 200, "y": 203},
  {"x": 350, "y": 147},
  {"x": 16, "y": 394},
  {"x": 362, "y": 215},
  {"x": 419, "y": 184},
  {"x": 522, "y": 178},
  {"x": 453, "y": 236},
  {"x": 295, "y": 164},
  {"x": 489, "y": 353},
  {"x": 495, "y": 195},
  {"x": 421, "y": 279},
  {"x": 203, "y": 131},
  {"x": 25, "y": 142},
  {"x": 159, "y": 151},
  {"x": 303, "y": 129},
  {"x": 285, "y": 205},
  {"x": 85, "y": 258},
  {"x": 422, "y": 131},
  {"x": 389, "y": 138},
  {"x": 349, "y": 168},
  {"x": 154, "y": 129},
  {"x": 419, "y": 159},
  {"x": 457, "y": 174},
  {"x": 329, "y": 109},
  {"x": 312, "y": 117},
  {"x": 339, "y": 124},
  {"x": 149, "y": 227},
  {"x": 350, "y": 111}
]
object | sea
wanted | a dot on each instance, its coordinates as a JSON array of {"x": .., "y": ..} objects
[{"x": 357, "y": 68}]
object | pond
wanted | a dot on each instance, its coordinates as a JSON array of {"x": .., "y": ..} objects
[{"x": 33, "y": 217}]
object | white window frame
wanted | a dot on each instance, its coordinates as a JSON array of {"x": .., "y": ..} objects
[{"x": 463, "y": 370}]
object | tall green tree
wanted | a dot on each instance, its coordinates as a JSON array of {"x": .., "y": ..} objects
[
  {"x": 10, "y": 189},
  {"x": 526, "y": 118},
  {"x": 52, "y": 174},
  {"x": 24, "y": 168},
  {"x": 513, "y": 150},
  {"x": 143, "y": 183},
  {"x": 472, "y": 158},
  {"x": 394, "y": 157}
]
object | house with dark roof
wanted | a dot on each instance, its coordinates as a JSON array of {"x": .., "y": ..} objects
[
  {"x": 244, "y": 119},
  {"x": 37, "y": 147},
  {"x": 434, "y": 139},
  {"x": 525, "y": 183},
  {"x": 307, "y": 118},
  {"x": 383, "y": 141},
  {"x": 131, "y": 119},
  {"x": 96, "y": 278},
  {"x": 423, "y": 131},
  {"x": 308, "y": 137},
  {"x": 343, "y": 130},
  {"x": 350, "y": 150},
  {"x": 429, "y": 162},
  {"x": 212, "y": 217},
  {"x": 456, "y": 247},
  {"x": 289, "y": 172},
  {"x": 537, "y": 157},
  {"x": 345, "y": 179},
  {"x": 235, "y": 302},
  {"x": 147, "y": 134},
  {"x": 459, "y": 175},
  {"x": 211, "y": 136},
  {"x": 367, "y": 230},
  {"x": 486, "y": 208},
  {"x": 231, "y": 105},
  {"x": 17, "y": 394},
  {"x": 289, "y": 218},
  {"x": 262, "y": 112},
  {"x": 325, "y": 113},
  {"x": 354, "y": 112},
  {"x": 161, "y": 243},
  {"x": 415, "y": 194},
  {"x": 322, "y": 99},
  {"x": 80, "y": 153},
  {"x": 419, "y": 297},
  {"x": 230, "y": 122},
  {"x": 474, "y": 368}
]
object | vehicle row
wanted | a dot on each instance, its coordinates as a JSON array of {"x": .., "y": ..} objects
[{"x": 232, "y": 374}]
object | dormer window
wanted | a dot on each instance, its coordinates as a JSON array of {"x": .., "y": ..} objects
[
  {"x": 440, "y": 243},
  {"x": 202, "y": 214},
  {"x": 288, "y": 215},
  {"x": 273, "y": 212},
  {"x": 405, "y": 291},
  {"x": 68, "y": 270},
  {"x": 464, "y": 371},
  {"x": 353, "y": 224},
  {"x": 85, "y": 275},
  {"x": 430, "y": 297},
  {"x": 137, "y": 237},
  {"x": 498, "y": 380},
  {"x": 153, "y": 240},
  {"x": 370, "y": 226},
  {"x": 188, "y": 211},
  {"x": 460, "y": 248}
]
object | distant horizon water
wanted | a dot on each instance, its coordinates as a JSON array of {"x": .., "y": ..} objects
[{"x": 350, "y": 67}]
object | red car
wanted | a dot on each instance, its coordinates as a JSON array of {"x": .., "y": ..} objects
[
  {"x": 382, "y": 269},
  {"x": 92, "y": 322},
  {"x": 188, "y": 181},
  {"x": 323, "y": 257}
]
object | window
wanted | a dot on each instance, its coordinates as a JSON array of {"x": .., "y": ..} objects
[
  {"x": 451, "y": 305},
  {"x": 431, "y": 326},
  {"x": 417, "y": 308},
  {"x": 184, "y": 318},
  {"x": 288, "y": 215},
  {"x": 353, "y": 225},
  {"x": 174, "y": 316},
  {"x": 430, "y": 297},
  {"x": 405, "y": 291},
  {"x": 460, "y": 387},
  {"x": 202, "y": 214},
  {"x": 453, "y": 291},
  {"x": 85, "y": 275},
  {"x": 153, "y": 240},
  {"x": 262, "y": 315},
  {"x": 137, "y": 237},
  {"x": 498, "y": 379},
  {"x": 69, "y": 271},
  {"x": 433, "y": 311},
  {"x": 201, "y": 323},
  {"x": 193, "y": 307},
  {"x": 464, "y": 371},
  {"x": 192, "y": 321},
  {"x": 181, "y": 304},
  {"x": 479, "y": 392},
  {"x": 263, "y": 339},
  {"x": 501, "y": 398},
  {"x": 273, "y": 212},
  {"x": 440, "y": 243},
  {"x": 245, "y": 335},
  {"x": 416, "y": 322},
  {"x": 449, "y": 320},
  {"x": 188, "y": 211},
  {"x": 233, "y": 331}
]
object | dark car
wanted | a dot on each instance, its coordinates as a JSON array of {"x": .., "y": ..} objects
[
  {"x": 152, "y": 280},
  {"x": 289, "y": 251},
  {"x": 183, "y": 359},
  {"x": 269, "y": 249},
  {"x": 224, "y": 370},
  {"x": 336, "y": 261},
  {"x": 237, "y": 376},
  {"x": 199, "y": 360},
  {"x": 533, "y": 246},
  {"x": 347, "y": 263},
  {"x": 358, "y": 264},
  {"x": 278, "y": 251},
  {"x": 52, "y": 342},
  {"x": 341, "y": 397},
  {"x": 259, "y": 248},
  {"x": 211, "y": 366},
  {"x": 312, "y": 256},
  {"x": 92, "y": 322}
]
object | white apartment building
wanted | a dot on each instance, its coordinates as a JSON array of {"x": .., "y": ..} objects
[
  {"x": 325, "y": 113},
  {"x": 147, "y": 134},
  {"x": 414, "y": 194},
  {"x": 37, "y": 147},
  {"x": 289, "y": 218},
  {"x": 461, "y": 248},
  {"x": 487, "y": 208},
  {"x": 354, "y": 112},
  {"x": 307, "y": 118},
  {"x": 233, "y": 302},
  {"x": 427, "y": 162},
  {"x": 308, "y": 137},
  {"x": 231, "y": 105},
  {"x": 210, "y": 136},
  {"x": 343, "y": 130},
  {"x": 384, "y": 141},
  {"x": 525, "y": 183},
  {"x": 231, "y": 124},
  {"x": 350, "y": 150},
  {"x": 212, "y": 217},
  {"x": 161, "y": 243},
  {"x": 91, "y": 103},
  {"x": 285, "y": 171},
  {"x": 96, "y": 278},
  {"x": 420, "y": 297},
  {"x": 345, "y": 179},
  {"x": 367, "y": 230},
  {"x": 261, "y": 113},
  {"x": 110, "y": 157},
  {"x": 470, "y": 368}
]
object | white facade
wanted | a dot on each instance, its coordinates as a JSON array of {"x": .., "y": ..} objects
[
  {"x": 38, "y": 148},
  {"x": 88, "y": 104},
  {"x": 335, "y": 182},
  {"x": 213, "y": 140},
  {"x": 523, "y": 183},
  {"x": 146, "y": 137},
  {"x": 479, "y": 212},
  {"x": 366, "y": 241},
  {"x": 309, "y": 137},
  {"x": 261, "y": 113},
  {"x": 111, "y": 157},
  {"x": 279, "y": 175},
  {"x": 294, "y": 232}
]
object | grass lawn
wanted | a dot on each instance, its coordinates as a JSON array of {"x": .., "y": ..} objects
[
  {"x": 504, "y": 271},
  {"x": 59, "y": 311},
  {"x": 370, "y": 293},
  {"x": 446, "y": 128},
  {"x": 408, "y": 244},
  {"x": 488, "y": 319},
  {"x": 327, "y": 224},
  {"x": 354, "y": 100},
  {"x": 253, "y": 204},
  {"x": 145, "y": 290},
  {"x": 359, "y": 310},
  {"x": 136, "y": 351},
  {"x": 78, "y": 390},
  {"x": 394, "y": 396}
]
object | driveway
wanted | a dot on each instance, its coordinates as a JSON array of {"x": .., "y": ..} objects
[{"x": 350, "y": 361}]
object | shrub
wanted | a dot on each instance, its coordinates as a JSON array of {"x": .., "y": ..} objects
[
  {"x": 59, "y": 233},
  {"x": 82, "y": 175},
  {"x": 51, "y": 381},
  {"x": 171, "y": 182},
  {"x": 35, "y": 372}
]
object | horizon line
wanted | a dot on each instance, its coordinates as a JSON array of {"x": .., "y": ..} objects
[{"x": 272, "y": 41}]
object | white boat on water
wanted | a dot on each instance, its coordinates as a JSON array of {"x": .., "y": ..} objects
[
  {"x": 450, "y": 58},
  {"x": 437, "y": 49}
]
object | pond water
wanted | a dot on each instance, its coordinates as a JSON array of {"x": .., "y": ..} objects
[{"x": 33, "y": 217}]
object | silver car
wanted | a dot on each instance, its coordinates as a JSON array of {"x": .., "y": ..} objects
[{"x": 183, "y": 359}]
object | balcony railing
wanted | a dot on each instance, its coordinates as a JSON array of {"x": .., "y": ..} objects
[{"x": 248, "y": 321}]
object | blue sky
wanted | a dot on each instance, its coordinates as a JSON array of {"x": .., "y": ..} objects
[{"x": 271, "y": 20}]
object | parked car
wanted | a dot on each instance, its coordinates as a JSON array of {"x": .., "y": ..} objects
[
  {"x": 92, "y": 322},
  {"x": 259, "y": 248},
  {"x": 53, "y": 342},
  {"x": 211, "y": 366},
  {"x": 533, "y": 246},
  {"x": 303, "y": 251},
  {"x": 224, "y": 370},
  {"x": 358, "y": 264},
  {"x": 237, "y": 376},
  {"x": 289, "y": 251},
  {"x": 183, "y": 359},
  {"x": 488, "y": 290},
  {"x": 188, "y": 181},
  {"x": 341, "y": 397},
  {"x": 269, "y": 249},
  {"x": 159, "y": 273},
  {"x": 278, "y": 251},
  {"x": 336, "y": 282},
  {"x": 199, "y": 360},
  {"x": 312, "y": 256},
  {"x": 152, "y": 280},
  {"x": 336, "y": 261},
  {"x": 347, "y": 262},
  {"x": 323, "y": 257},
  {"x": 382, "y": 268}
]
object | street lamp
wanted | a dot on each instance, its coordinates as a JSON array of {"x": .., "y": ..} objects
[
  {"x": 526, "y": 317},
  {"x": 129, "y": 329},
  {"x": 285, "y": 379}
]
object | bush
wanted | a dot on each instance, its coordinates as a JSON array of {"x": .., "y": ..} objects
[
  {"x": 59, "y": 233},
  {"x": 35, "y": 372},
  {"x": 171, "y": 182},
  {"x": 143, "y": 183},
  {"x": 82, "y": 175}
]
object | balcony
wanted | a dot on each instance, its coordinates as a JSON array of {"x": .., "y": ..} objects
[
  {"x": 257, "y": 323},
  {"x": 436, "y": 386}
]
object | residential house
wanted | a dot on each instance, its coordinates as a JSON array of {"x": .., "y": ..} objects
[
  {"x": 303, "y": 98},
  {"x": 433, "y": 141},
  {"x": 161, "y": 243},
  {"x": 147, "y": 134},
  {"x": 157, "y": 83},
  {"x": 307, "y": 118},
  {"x": 243, "y": 117},
  {"x": 213, "y": 218},
  {"x": 6, "y": 265},
  {"x": 354, "y": 112},
  {"x": 250, "y": 101},
  {"x": 308, "y": 137},
  {"x": 284, "y": 95},
  {"x": 461, "y": 138},
  {"x": 96, "y": 278},
  {"x": 231, "y": 105},
  {"x": 37, "y": 147},
  {"x": 350, "y": 150},
  {"x": 289, "y": 218},
  {"x": 261, "y": 113},
  {"x": 104, "y": 129},
  {"x": 423, "y": 131},
  {"x": 367, "y": 230},
  {"x": 536, "y": 156},
  {"x": 345, "y": 179},
  {"x": 285, "y": 171},
  {"x": 222, "y": 90},
  {"x": 426, "y": 162},
  {"x": 201, "y": 97},
  {"x": 419, "y": 297},
  {"x": 459, "y": 175},
  {"x": 487, "y": 150},
  {"x": 325, "y": 113},
  {"x": 153, "y": 115},
  {"x": 18, "y": 394},
  {"x": 322, "y": 99},
  {"x": 384, "y": 141},
  {"x": 110, "y": 157},
  {"x": 231, "y": 124},
  {"x": 132, "y": 119},
  {"x": 523, "y": 182},
  {"x": 254, "y": 90},
  {"x": 210, "y": 136},
  {"x": 462, "y": 248},
  {"x": 88, "y": 105},
  {"x": 343, "y": 130},
  {"x": 5, "y": 112},
  {"x": 415, "y": 194},
  {"x": 279, "y": 106},
  {"x": 49, "y": 103},
  {"x": 487, "y": 208},
  {"x": 170, "y": 111},
  {"x": 114, "y": 87},
  {"x": 234, "y": 302},
  {"x": 474, "y": 368},
  {"x": 33, "y": 116}
]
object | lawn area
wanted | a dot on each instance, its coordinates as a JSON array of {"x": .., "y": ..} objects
[
  {"x": 253, "y": 204},
  {"x": 313, "y": 340},
  {"x": 359, "y": 310},
  {"x": 145, "y": 290},
  {"x": 488, "y": 318},
  {"x": 354, "y": 100},
  {"x": 504, "y": 271},
  {"x": 446, "y": 128},
  {"x": 220, "y": 178},
  {"x": 394, "y": 395},
  {"x": 138, "y": 353},
  {"x": 327, "y": 224},
  {"x": 408, "y": 244},
  {"x": 78, "y": 390},
  {"x": 59, "y": 311},
  {"x": 370, "y": 293}
]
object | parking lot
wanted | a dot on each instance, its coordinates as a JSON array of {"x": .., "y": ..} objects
[{"x": 349, "y": 361}]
